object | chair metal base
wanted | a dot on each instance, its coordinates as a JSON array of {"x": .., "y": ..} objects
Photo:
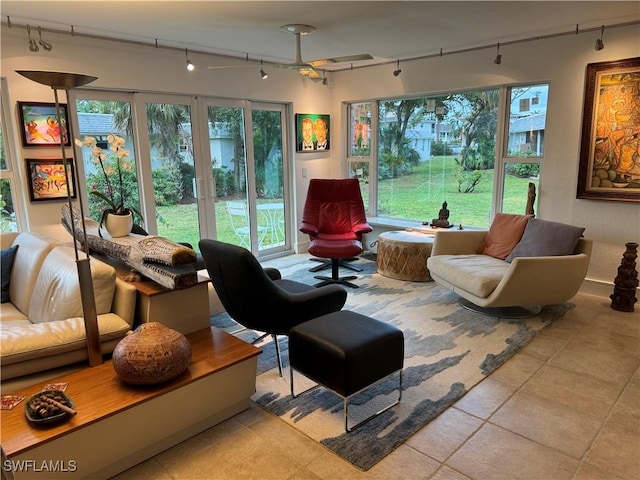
[
  {"x": 346, "y": 399},
  {"x": 275, "y": 341},
  {"x": 326, "y": 263},
  {"x": 335, "y": 276},
  {"x": 502, "y": 312}
]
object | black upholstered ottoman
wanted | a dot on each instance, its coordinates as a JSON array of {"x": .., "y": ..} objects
[{"x": 346, "y": 352}]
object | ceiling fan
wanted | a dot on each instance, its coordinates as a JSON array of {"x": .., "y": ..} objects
[{"x": 308, "y": 69}]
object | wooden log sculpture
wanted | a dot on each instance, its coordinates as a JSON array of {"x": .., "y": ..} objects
[
  {"x": 624, "y": 293},
  {"x": 168, "y": 263}
]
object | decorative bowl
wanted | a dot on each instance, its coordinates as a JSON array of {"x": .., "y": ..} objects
[{"x": 38, "y": 410}]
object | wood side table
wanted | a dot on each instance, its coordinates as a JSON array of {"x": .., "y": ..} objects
[{"x": 403, "y": 255}]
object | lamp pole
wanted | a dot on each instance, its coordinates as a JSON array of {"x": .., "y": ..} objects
[{"x": 66, "y": 81}]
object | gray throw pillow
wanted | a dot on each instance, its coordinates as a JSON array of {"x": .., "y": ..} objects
[
  {"x": 6, "y": 262},
  {"x": 545, "y": 238}
]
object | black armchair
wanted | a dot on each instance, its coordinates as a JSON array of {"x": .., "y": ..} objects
[{"x": 259, "y": 298}]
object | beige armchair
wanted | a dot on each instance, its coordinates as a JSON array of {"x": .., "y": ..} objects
[{"x": 517, "y": 289}]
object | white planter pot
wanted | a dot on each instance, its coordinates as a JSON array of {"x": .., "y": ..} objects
[{"x": 119, "y": 225}]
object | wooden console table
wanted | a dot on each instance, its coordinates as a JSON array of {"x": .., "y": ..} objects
[
  {"x": 185, "y": 310},
  {"x": 118, "y": 425}
]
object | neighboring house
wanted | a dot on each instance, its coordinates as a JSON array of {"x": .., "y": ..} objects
[
  {"x": 422, "y": 135},
  {"x": 99, "y": 125},
  {"x": 526, "y": 134}
]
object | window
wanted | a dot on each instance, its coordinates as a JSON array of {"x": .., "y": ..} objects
[
  {"x": 189, "y": 159},
  {"x": 10, "y": 221},
  {"x": 443, "y": 148},
  {"x": 524, "y": 146},
  {"x": 413, "y": 183}
]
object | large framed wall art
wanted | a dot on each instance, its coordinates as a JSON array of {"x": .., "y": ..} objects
[
  {"x": 610, "y": 146},
  {"x": 39, "y": 124},
  {"x": 47, "y": 180},
  {"x": 312, "y": 132}
]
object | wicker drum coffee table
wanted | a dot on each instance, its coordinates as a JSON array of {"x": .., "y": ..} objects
[{"x": 403, "y": 255}]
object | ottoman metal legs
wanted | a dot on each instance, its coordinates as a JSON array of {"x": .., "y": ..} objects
[{"x": 346, "y": 353}]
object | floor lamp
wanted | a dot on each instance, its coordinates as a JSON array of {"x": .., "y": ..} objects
[{"x": 66, "y": 81}]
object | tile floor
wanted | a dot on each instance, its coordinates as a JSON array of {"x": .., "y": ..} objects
[{"x": 566, "y": 407}]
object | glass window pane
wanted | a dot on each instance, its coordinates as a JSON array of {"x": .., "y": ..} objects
[
  {"x": 228, "y": 160},
  {"x": 527, "y": 119},
  {"x": 7, "y": 212},
  {"x": 269, "y": 174},
  {"x": 173, "y": 171},
  {"x": 360, "y": 170},
  {"x": 517, "y": 190},
  {"x": 418, "y": 167},
  {"x": 360, "y": 129},
  {"x": 114, "y": 178}
]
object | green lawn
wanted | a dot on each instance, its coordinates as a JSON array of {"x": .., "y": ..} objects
[{"x": 417, "y": 196}]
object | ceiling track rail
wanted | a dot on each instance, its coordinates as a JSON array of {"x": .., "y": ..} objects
[{"x": 72, "y": 32}]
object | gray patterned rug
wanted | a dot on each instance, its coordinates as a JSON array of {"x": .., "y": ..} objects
[{"x": 448, "y": 350}]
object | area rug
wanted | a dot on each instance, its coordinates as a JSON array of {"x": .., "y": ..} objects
[{"x": 448, "y": 350}]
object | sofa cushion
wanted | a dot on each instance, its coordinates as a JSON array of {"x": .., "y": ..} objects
[
  {"x": 504, "y": 234},
  {"x": 26, "y": 266},
  {"x": 6, "y": 262},
  {"x": 476, "y": 274},
  {"x": 545, "y": 238},
  {"x": 9, "y": 313},
  {"x": 56, "y": 295},
  {"x": 28, "y": 341}
]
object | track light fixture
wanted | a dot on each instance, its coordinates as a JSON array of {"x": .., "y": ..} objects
[
  {"x": 33, "y": 45},
  {"x": 190, "y": 66},
  {"x": 46, "y": 45},
  {"x": 263, "y": 74},
  {"x": 397, "y": 71},
  {"x": 498, "y": 59},
  {"x": 599, "y": 42}
]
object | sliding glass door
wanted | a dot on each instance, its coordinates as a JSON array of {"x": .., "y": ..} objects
[
  {"x": 247, "y": 178},
  {"x": 200, "y": 167}
]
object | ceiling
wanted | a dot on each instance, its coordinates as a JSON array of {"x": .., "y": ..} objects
[{"x": 388, "y": 30}]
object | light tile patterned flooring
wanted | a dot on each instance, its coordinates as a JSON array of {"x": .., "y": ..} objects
[{"x": 566, "y": 407}]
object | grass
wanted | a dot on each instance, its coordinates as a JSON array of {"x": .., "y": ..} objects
[{"x": 417, "y": 196}]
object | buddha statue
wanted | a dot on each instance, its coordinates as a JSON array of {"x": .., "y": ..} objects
[{"x": 443, "y": 218}]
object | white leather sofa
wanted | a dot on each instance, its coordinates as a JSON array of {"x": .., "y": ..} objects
[
  {"x": 488, "y": 282},
  {"x": 41, "y": 326}
]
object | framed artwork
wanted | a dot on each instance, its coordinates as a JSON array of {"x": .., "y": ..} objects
[
  {"x": 47, "y": 180},
  {"x": 39, "y": 124},
  {"x": 312, "y": 132},
  {"x": 610, "y": 146}
]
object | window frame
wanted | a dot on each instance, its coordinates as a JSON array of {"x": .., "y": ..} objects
[{"x": 501, "y": 156}]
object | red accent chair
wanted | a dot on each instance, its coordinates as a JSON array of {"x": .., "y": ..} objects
[{"x": 335, "y": 220}]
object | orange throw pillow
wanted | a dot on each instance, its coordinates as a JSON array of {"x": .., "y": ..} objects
[{"x": 504, "y": 234}]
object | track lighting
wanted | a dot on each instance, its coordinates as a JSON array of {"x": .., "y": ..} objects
[
  {"x": 498, "y": 59},
  {"x": 599, "y": 42},
  {"x": 33, "y": 45},
  {"x": 263, "y": 74},
  {"x": 397, "y": 71},
  {"x": 47, "y": 46},
  {"x": 190, "y": 66}
]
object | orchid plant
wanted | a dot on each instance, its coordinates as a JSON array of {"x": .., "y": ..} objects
[{"x": 114, "y": 198}]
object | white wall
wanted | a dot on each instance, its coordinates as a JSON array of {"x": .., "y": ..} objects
[{"x": 560, "y": 61}]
